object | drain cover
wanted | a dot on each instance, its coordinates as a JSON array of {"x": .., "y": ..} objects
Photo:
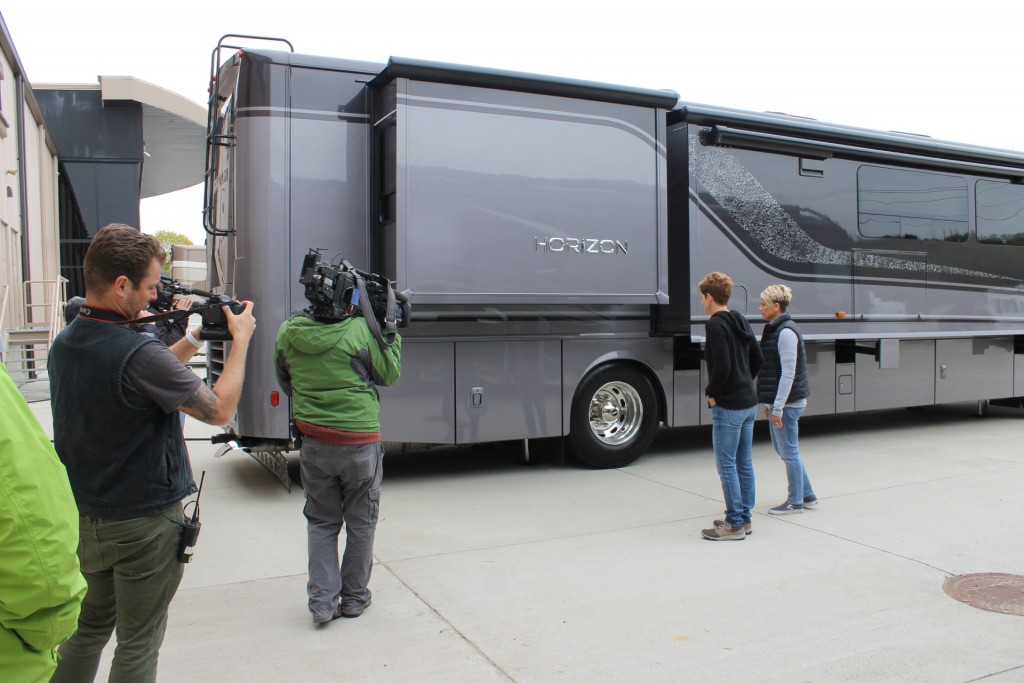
[{"x": 1002, "y": 593}]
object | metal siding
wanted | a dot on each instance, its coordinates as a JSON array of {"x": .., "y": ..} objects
[
  {"x": 1018, "y": 374},
  {"x": 973, "y": 369},
  {"x": 911, "y": 384},
  {"x": 688, "y": 396},
  {"x": 519, "y": 384},
  {"x": 485, "y": 180},
  {"x": 821, "y": 371},
  {"x": 845, "y": 387},
  {"x": 420, "y": 407},
  {"x": 259, "y": 271}
]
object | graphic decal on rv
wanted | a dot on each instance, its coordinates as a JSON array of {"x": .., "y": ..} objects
[{"x": 775, "y": 233}]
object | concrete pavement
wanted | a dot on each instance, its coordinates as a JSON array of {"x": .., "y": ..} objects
[{"x": 490, "y": 570}]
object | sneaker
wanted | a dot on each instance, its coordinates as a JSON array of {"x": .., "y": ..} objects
[
  {"x": 337, "y": 613},
  {"x": 786, "y": 509},
  {"x": 810, "y": 502},
  {"x": 355, "y": 613},
  {"x": 746, "y": 526},
  {"x": 726, "y": 532}
]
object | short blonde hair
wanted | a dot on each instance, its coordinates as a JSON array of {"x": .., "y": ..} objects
[{"x": 777, "y": 294}]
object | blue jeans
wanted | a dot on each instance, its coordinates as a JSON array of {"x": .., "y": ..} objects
[
  {"x": 784, "y": 441},
  {"x": 732, "y": 434}
]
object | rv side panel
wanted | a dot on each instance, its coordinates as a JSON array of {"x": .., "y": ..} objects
[
  {"x": 512, "y": 197},
  {"x": 261, "y": 220},
  {"x": 507, "y": 390},
  {"x": 420, "y": 408},
  {"x": 302, "y": 155},
  {"x": 973, "y": 369}
]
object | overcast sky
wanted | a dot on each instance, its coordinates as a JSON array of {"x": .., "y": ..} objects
[{"x": 952, "y": 73}]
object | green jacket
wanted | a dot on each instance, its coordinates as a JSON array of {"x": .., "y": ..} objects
[
  {"x": 331, "y": 371},
  {"x": 41, "y": 587}
]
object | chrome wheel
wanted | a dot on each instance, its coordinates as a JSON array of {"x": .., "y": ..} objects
[{"x": 616, "y": 413}]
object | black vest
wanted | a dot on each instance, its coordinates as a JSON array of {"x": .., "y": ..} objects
[
  {"x": 122, "y": 462},
  {"x": 771, "y": 371}
]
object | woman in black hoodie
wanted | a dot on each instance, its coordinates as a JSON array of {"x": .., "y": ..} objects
[{"x": 733, "y": 357}]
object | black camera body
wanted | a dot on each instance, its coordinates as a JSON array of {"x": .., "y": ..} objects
[
  {"x": 170, "y": 288},
  {"x": 215, "y": 322},
  {"x": 337, "y": 290}
]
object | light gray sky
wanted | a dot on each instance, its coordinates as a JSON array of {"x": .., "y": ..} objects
[{"x": 952, "y": 73}]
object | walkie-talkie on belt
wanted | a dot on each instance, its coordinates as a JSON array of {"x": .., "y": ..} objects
[{"x": 190, "y": 527}]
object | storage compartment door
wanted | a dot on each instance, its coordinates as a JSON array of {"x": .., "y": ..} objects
[{"x": 507, "y": 390}]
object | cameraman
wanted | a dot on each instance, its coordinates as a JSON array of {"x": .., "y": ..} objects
[
  {"x": 331, "y": 368},
  {"x": 115, "y": 396}
]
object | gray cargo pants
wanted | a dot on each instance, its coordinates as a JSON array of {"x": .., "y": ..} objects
[{"x": 342, "y": 486}]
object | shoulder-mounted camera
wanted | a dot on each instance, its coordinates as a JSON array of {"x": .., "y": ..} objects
[{"x": 337, "y": 290}]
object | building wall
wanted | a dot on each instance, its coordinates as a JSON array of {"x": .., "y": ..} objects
[
  {"x": 10, "y": 224},
  {"x": 28, "y": 232},
  {"x": 189, "y": 264},
  {"x": 101, "y": 146}
]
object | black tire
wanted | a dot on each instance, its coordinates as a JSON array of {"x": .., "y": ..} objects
[{"x": 614, "y": 416}]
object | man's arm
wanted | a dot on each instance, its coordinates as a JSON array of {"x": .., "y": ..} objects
[
  {"x": 754, "y": 358},
  {"x": 216, "y": 406},
  {"x": 183, "y": 349},
  {"x": 787, "y": 360},
  {"x": 281, "y": 368},
  {"x": 719, "y": 363},
  {"x": 284, "y": 373},
  {"x": 387, "y": 362}
]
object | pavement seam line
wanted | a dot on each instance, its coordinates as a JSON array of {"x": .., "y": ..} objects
[
  {"x": 996, "y": 673},
  {"x": 440, "y": 616}
]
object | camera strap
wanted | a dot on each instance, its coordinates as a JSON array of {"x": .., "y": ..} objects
[
  {"x": 105, "y": 316},
  {"x": 387, "y": 339}
]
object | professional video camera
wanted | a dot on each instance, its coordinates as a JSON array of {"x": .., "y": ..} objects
[
  {"x": 170, "y": 288},
  {"x": 337, "y": 291},
  {"x": 215, "y": 323}
]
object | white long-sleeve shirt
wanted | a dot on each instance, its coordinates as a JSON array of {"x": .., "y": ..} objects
[{"x": 787, "y": 360}]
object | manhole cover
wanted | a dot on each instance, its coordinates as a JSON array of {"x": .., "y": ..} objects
[{"x": 1002, "y": 593}]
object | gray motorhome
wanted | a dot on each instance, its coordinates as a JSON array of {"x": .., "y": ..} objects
[{"x": 549, "y": 231}]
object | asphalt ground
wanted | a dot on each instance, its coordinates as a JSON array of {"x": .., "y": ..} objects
[{"x": 487, "y": 569}]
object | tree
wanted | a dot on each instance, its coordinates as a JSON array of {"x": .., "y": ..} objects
[{"x": 167, "y": 239}]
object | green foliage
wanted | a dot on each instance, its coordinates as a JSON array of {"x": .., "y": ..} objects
[{"x": 167, "y": 239}]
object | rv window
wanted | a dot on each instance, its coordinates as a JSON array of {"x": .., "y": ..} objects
[
  {"x": 906, "y": 204},
  {"x": 1000, "y": 212}
]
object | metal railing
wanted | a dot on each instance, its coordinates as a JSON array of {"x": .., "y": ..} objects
[{"x": 27, "y": 348}]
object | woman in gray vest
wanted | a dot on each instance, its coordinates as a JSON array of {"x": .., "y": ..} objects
[{"x": 783, "y": 388}]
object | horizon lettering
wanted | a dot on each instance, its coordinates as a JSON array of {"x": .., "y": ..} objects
[{"x": 581, "y": 245}]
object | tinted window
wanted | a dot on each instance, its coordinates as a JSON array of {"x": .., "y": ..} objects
[
  {"x": 1000, "y": 208},
  {"x": 911, "y": 204}
]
